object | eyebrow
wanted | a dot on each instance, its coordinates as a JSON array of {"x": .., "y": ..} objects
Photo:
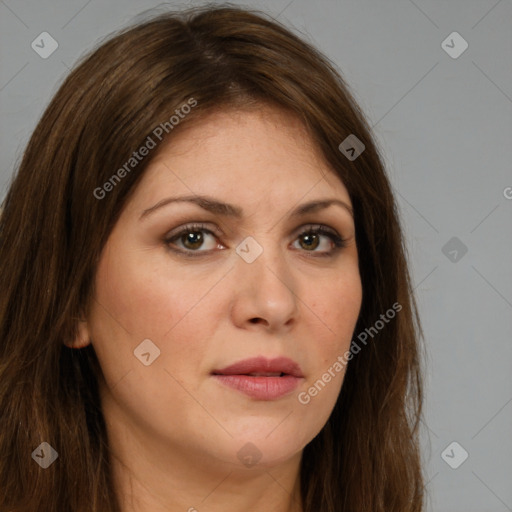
[{"x": 228, "y": 210}]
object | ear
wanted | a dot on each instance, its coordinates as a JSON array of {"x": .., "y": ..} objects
[{"x": 83, "y": 338}]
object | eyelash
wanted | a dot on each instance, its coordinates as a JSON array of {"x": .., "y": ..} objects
[{"x": 316, "y": 229}]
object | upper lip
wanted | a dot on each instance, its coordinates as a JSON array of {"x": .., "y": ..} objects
[{"x": 262, "y": 365}]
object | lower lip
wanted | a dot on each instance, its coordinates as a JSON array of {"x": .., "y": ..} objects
[{"x": 261, "y": 388}]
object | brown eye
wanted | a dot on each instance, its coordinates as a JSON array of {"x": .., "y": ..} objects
[
  {"x": 190, "y": 240},
  {"x": 311, "y": 239}
]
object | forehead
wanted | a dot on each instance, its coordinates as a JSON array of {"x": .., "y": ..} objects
[
  {"x": 233, "y": 134},
  {"x": 256, "y": 155}
]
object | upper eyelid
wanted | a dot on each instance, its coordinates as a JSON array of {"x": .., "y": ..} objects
[{"x": 201, "y": 226}]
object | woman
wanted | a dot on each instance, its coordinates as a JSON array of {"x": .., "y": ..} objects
[{"x": 205, "y": 301}]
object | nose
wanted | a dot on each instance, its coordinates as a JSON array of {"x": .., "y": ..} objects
[{"x": 265, "y": 292}]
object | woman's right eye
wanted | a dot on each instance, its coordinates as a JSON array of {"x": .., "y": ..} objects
[{"x": 192, "y": 237}]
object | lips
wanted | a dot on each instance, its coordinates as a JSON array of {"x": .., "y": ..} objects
[
  {"x": 261, "y": 366},
  {"x": 261, "y": 378}
]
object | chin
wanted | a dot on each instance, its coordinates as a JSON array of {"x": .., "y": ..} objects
[
  {"x": 254, "y": 451},
  {"x": 266, "y": 450}
]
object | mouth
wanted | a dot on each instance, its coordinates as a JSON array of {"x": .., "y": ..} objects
[
  {"x": 262, "y": 378},
  {"x": 261, "y": 374},
  {"x": 263, "y": 367}
]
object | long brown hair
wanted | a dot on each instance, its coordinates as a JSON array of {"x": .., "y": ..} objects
[{"x": 54, "y": 226}]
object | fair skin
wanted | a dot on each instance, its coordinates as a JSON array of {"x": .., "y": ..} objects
[{"x": 174, "y": 429}]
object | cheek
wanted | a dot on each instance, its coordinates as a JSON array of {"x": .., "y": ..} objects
[
  {"x": 136, "y": 302},
  {"x": 337, "y": 306},
  {"x": 140, "y": 297}
]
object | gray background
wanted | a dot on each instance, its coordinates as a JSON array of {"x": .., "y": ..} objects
[{"x": 445, "y": 128}]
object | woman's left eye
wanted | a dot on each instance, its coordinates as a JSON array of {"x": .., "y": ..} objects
[
  {"x": 192, "y": 238},
  {"x": 311, "y": 238}
]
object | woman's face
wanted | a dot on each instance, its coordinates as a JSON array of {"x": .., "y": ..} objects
[{"x": 174, "y": 304}]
